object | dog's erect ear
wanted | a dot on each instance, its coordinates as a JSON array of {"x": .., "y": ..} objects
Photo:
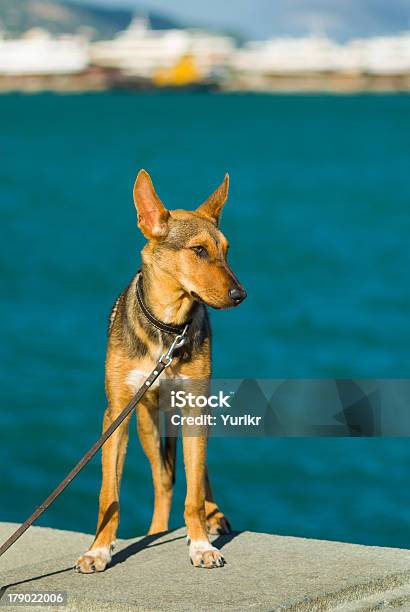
[
  {"x": 212, "y": 207},
  {"x": 152, "y": 214}
]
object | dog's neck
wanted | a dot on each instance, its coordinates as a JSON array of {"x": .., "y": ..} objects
[{"x": 164, "y": 296}]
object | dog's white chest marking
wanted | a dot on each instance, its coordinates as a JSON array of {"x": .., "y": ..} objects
[{"x": 136, "y": 378}]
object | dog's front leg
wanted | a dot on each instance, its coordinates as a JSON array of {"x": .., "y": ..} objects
[
  {"x": 201, "y": 551},
  {"x": 113, "y": 454}
]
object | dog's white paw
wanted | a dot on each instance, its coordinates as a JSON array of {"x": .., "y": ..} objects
[
  {"x": 94, "y": 560},
  {"x": 203, "y": 554}
]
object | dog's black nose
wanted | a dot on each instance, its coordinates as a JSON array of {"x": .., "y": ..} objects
[{"x": 237, "y": 295}]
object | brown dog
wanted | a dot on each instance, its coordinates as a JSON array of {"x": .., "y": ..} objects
[{"x": 184, "y": 268}]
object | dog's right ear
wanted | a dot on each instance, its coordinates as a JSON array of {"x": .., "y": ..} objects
[
  {"x": 152, "y": 214},
  {"x": 212, "y": 207}
]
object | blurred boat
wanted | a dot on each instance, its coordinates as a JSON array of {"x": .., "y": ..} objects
[{"x": 185, "y": 74}]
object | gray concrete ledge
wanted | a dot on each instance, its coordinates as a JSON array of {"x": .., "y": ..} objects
[{"x": 263, "y": 573}]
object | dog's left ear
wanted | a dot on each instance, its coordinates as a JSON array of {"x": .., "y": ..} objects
[
  {"x": 152, "y": 214},
  {"x": 212, "y": 207}
]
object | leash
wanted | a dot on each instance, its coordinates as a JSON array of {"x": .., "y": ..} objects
[{"x": 163, "y": 362}]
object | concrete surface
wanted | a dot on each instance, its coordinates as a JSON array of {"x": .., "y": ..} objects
[{"x": 263, "y": 573}]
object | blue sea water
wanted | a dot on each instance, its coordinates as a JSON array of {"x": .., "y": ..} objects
[{"x": 319, "y": 222}]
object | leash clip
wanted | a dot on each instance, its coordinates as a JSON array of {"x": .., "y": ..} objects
[{"x": 167, "y": 358}]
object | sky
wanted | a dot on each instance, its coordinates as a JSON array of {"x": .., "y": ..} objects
[{"x": 264, "y": 18}]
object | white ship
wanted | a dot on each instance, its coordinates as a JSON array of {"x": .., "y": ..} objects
[
  {"x": 141, "y": 51},
  {"x": 38, "y": 53},
  {"x": 382, "y": 55},
  {"x": 286, "y": 55},
  {"x": 379, "y": 55}
]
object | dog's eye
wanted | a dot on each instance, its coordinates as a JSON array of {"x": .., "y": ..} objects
[{"x": 200, "y": 251}]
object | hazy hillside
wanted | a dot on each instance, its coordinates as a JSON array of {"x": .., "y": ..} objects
[
  {"x": 60, "y": 16},
  {"x": 340, "y": 19}
]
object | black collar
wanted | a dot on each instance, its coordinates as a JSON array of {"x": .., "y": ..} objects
[{"x": 165, "y": 327}]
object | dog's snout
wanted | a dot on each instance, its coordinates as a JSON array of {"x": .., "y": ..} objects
[{"x": 237, "y": 294}]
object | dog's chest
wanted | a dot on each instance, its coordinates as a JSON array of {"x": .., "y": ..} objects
[{"x": 137, "y": 375}]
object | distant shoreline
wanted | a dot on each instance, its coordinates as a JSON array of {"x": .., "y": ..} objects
[{"x": 95, "y": 80}]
